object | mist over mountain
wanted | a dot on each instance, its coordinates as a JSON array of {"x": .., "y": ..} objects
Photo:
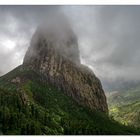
[
  {"x": 108, "y": 37},
  {"x": 1, "y": 73},
  {"x": 119, "y": 84},
  {"x": 54, "y": 53},
  {"x": 59, "y": 52},
  {"x": 57, "y": 31},
  {"x": 52, "y": 92}
]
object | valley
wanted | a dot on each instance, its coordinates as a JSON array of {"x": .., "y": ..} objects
[{"x": 124, "y": 106}]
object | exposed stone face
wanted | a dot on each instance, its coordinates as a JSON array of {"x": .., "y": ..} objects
[
  {"x": 63, "y": 70},
  {"x": 16, "y": 80},
  {"x": 57, "y": 36}
]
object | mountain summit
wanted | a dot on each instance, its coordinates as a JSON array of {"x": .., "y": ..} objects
[
  {"x": 54, "y": 53},
  {"x": 52, "y": 93}
]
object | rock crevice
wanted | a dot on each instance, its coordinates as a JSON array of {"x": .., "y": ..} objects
[{"x": 58, "y": 60}]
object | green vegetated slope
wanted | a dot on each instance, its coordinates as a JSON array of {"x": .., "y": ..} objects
[
  {"x": 28, "y": 105},
  {"x": 124, "y": 97},
  {"x": 125, "y": 107}
]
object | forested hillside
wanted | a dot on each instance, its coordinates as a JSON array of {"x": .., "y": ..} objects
[
  {"x": 29, "y": 106},
  {"x": 125, "y": 106}
]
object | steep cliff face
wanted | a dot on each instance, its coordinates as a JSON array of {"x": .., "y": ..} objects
[{"x": 55, "y": 55}]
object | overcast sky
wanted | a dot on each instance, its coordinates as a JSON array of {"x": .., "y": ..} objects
[{"x": 108, "y": 37}]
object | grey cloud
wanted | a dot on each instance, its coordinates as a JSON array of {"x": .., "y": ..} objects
[
  {"x": 109, "y": 41},
  {"x": 17, "y": 24},
  {"x": 112, "y": 36},
  {"x": 122, "y": 32},
  {"x": 108, "y": 36}
]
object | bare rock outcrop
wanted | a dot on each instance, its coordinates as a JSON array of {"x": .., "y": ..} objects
[{"x": 54, "y": 53}]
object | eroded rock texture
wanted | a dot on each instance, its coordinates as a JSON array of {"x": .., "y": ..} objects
[{"x": 55, "y": 54}]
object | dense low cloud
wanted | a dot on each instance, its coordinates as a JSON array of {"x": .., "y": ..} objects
[
  {"x": 109, "y": 41},
  {"x": 108, "y": 37},
  {"x": 17, "y": 26}
]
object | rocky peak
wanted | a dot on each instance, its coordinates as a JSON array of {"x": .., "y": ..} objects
[
  {"x": 55, "y": 33},
  {"x": 54, "y": 53}
]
